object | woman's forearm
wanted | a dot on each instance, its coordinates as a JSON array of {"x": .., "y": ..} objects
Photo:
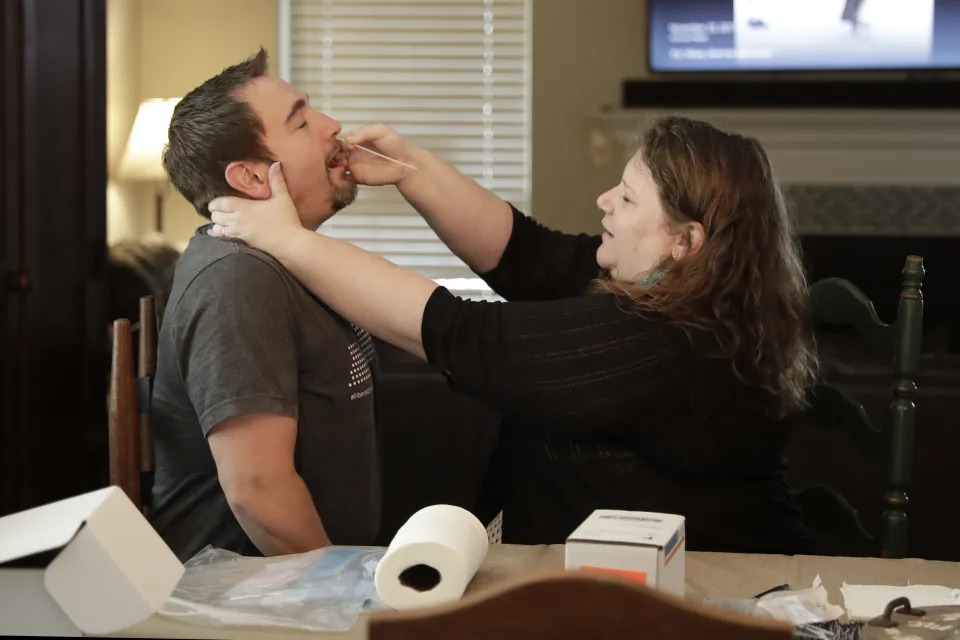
[
  {"x": 471, "y": 220},
  {"x": 364, "y": 288}
]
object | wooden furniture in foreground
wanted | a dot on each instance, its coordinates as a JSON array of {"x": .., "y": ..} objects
[
  {"x": 566, "y": 604},
  {"x": 128, "y": 415}
]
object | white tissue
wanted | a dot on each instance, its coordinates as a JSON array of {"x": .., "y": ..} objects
[
  {"x": 804, "y": 606},
  {"x": 800, "y": 607},
  {"x": 865, "y": 601},
  {"x": 432, "y": 558}
]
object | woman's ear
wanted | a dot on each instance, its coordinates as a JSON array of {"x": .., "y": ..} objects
[
  {"x": 697, "y": 235},
  {"x": 689, "y": 242},
  {"x": 249, "y": 178}
]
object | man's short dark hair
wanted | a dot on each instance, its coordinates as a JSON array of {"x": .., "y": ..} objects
[{"x": 211, "y": 128}]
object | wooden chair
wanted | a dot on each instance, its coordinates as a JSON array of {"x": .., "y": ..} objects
[
  {"x": 838, "y": 302},
  {"x": 131, "y": 443},
  {"x": 571, "y": 604}
]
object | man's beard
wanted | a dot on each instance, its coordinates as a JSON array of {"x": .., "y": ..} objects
[{"x": 341, "y": 196}]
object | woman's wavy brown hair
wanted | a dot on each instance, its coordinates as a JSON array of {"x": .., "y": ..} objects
[{"x": 745, "y": 290}]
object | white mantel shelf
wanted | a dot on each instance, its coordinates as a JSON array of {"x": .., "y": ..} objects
[{"x": 868, "y": 172}]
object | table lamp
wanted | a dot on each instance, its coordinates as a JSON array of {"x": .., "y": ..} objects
[{"x": 141, "y": 157}]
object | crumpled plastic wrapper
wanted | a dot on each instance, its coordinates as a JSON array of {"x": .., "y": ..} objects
[{"x": 321, "y": 590}]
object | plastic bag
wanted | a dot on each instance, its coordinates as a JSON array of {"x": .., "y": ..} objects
[
  {"x": 804, "y": 608},
  {"x": 322, "y": 590}
]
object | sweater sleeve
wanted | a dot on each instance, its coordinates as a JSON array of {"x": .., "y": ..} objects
[
  {"x": 570, "y": 365},
  {"x": 542, "y": 264}
]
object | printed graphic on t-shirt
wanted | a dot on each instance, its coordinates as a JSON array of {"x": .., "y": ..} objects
[
  {"x": 366, "y": 343},
  {"x": 361, "y": 358}
]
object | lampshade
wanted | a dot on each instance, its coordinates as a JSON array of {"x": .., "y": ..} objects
[{"x": 141, "y": 158}]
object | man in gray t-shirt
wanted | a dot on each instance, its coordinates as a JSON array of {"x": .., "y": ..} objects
[{"x": 263, "y": 406}]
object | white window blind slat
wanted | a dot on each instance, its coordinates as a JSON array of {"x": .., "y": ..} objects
[
  {"x": 415, "y": 40},
  {"x": 431, "y": 3},
  {"x": 405, "y": 104},
  {"x": 384, "y": 11},
  {"x": 450, "y": 117},
  {"x": 449, "y": 75},
  {"x": 378, "y": 24},
  {"x": 411, "y": 235},
  {"x": 373, "y": 89},
  {"x": 403, "y": 76},
  {"x": 415, "y": 65},
  {"x": 420, "y": 51}
]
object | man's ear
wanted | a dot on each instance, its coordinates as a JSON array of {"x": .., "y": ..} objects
[{"x": 249, "y": 178}]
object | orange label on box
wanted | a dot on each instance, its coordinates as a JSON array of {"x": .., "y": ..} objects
[{"x": 639, "y": 576}]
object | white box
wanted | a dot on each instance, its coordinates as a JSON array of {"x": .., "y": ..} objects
[
  {"x": 111, "y": 570},
  {"x": 648, "y": 547}
]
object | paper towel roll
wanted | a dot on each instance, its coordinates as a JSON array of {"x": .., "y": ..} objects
[{"x": 432, "y": 558}]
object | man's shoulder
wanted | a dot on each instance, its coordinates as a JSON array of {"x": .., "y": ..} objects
[
  {"x": 203, "y": 252},
  {"x": 226, "y": 268},
  {"x": 227, "y": 262}
]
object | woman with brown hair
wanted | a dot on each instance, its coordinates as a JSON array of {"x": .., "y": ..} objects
[{"x": 651, "y": 368}]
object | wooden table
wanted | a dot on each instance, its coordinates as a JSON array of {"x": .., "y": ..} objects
[{"x": 707, "y": 574}]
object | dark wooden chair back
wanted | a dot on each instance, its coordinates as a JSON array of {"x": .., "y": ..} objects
[
  {"x": 838, "y": 302},
  {"x": 128, "y": 415},
  {"x": 571, "y": 604}
]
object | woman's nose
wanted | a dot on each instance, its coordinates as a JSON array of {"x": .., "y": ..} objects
[{"x": 603, "y": 201}]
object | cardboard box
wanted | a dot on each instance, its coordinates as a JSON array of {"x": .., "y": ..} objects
[
  {"x": 649, "y": 547},
  {"x": 110, "y": 571}
]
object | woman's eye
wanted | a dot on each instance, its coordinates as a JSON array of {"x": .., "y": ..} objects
[
  {"x": 302, "y": 125},
  {"x": 626, "y": 199}
]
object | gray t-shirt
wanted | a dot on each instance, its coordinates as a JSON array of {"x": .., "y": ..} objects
[{"x": 241, "y": 335}]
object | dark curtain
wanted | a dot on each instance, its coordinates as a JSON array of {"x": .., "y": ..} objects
[{"x": 53, "y": 354}]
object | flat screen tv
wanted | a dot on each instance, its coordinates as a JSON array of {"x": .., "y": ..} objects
[{"x": 803, "y": 35}]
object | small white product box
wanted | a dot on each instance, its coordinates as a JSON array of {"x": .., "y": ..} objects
[
  {"x": 647, "y": 547},
  {"x": 111, "y": 570}
]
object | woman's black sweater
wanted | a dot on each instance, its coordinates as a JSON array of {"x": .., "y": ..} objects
[{"x": 605, "y": 408}]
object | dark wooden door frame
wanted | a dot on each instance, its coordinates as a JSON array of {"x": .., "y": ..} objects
[{"x": 52, "y": 250}]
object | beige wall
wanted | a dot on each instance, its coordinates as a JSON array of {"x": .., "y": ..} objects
[
  {"x": 161, "y": 49},
  {"x": 184, "y": 42},
  {"x": 581, "y": 53},
  {"x": 124, "y": 199}
]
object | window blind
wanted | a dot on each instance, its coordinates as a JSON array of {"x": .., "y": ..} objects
[{"x": 449, "y": 75}]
